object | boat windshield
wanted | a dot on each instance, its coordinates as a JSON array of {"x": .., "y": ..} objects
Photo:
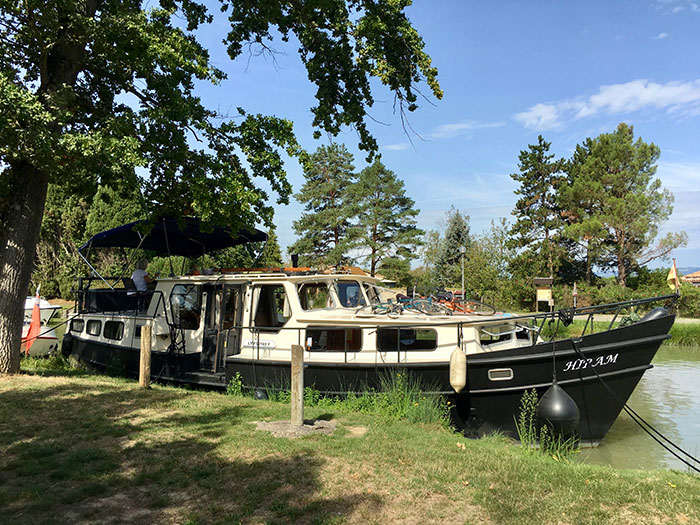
[
  {"x": 350, "y": 294},
  {"x": 373, "y": 293},
  {"x": 314, "y": 296}
]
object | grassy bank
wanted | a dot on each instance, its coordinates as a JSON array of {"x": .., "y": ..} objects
[{"x": 87, "y": 448}]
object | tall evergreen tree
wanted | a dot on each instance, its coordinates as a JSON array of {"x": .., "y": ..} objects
[
  {"x": 537, "y": 214},
  {"x": 580, "y": 210},
  {"x": 271, "y": 254},
  {"x": 448, "y": 267},
  {"x": 386, "y": 223},
  {"x": 324, "y": 227}
]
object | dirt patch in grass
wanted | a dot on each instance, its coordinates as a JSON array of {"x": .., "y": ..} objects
[
  {"x": 287, "y": 430},
  {"x": 355, "y": 432}
]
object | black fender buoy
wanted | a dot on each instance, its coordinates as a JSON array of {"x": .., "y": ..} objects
[
  {"x": 261, "y": 394},
  {"x": 656, "y": 313},
  {"x": 558, "y": 411},
  {"x": 67, "y": 345}
]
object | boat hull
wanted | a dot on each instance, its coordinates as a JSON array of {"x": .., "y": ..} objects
[{"x": 617, "y": 358}]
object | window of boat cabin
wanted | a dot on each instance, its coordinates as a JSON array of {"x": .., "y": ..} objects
[
  {"x": 350, "y": 294},
  {"x": 271, "y": 307},
  {"x": 372, "y": 294},
  {"x": 322, "y": 339},
  {"x": 186, "y": 305},
  {"x": 314, "y": 296},
  {"x": 229, "y": 314},
  {"x": 77, "y": 325},
  {"x": 496, "y": 333},
  {"x": 94, "y": 327},
  {"x": 393, "y": 339},
  {"x": 114, "y": 330}
]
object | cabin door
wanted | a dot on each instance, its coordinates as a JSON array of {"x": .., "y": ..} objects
[
  {"x": 229, "y": 342},
  {"x": 221, "y": 332}
]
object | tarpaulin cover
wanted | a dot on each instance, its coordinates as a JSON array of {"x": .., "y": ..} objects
[{"x": 167, "y": 237}]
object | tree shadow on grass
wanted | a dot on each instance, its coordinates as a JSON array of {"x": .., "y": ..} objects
[{"x": 107, "y": 452}]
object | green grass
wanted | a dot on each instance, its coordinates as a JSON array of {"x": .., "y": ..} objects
[
  {"x": 400, "y": 396},
  {"x": 96, "y": 449}
]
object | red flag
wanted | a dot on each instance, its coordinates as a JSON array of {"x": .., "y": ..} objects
[{"x": 35, "y": 325}]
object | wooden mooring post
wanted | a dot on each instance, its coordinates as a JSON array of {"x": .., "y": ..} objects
[
  {"x": 297, "y": 386},
  {"x": 145, "y": 363}
]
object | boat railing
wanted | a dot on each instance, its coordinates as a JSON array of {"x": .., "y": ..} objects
[
  {"x": 533, "y": 323},
  {"x": 120, "y": 301}
]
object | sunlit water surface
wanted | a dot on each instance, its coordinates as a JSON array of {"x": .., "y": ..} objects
[{"x": 668, "y": 397}]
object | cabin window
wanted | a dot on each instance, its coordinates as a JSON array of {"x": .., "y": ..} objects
[
  {"x": 230, "y": 307},
  {"x": 137, "y": 331},
  {"x": 94, "y": 327},
  {"x": 523, "y": 333},
  {"x": 114, "y": 330},
  {"x": 322, "y": 339},
  {"x": 271, "y": 307},
  {"x": 393, "y": 339},
  {"x": 186, "y": 305},
  {"x": 373, "y": 294},
  {"x": 314, "y": 296},
  {"x": 491, "y": 334},
  {"x": 350, "y": 294},
  {"x": 77, "y": 325}
]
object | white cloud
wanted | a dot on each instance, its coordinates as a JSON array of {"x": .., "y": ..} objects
[
  {"x": 397, "y": 147},
  {"x": 675, "y": 97},
  {"x": 447, "y": 131},
  {"x": 540, "y": 116},
  {"x": 678, "y": 176},
  {"x": 660, "y": 36}
]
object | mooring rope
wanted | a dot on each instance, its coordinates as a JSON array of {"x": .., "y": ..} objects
[{"x": 645, "y": 425}]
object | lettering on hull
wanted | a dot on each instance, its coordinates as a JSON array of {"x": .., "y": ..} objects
[
  {"x": 580, "y": 364},
  {"x": 262, "y": 343}
]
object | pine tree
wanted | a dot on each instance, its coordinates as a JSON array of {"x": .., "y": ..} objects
[
  {"x": 537, "y": 214},
  {"x": 271, "y": 254},
  {"x": 324, "y": 227},
  {"x": 386, "y": 223},
  {"x": 449, "y": 257}
]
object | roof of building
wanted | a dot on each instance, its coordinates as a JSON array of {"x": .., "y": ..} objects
[{"x": 691, "y": 277}]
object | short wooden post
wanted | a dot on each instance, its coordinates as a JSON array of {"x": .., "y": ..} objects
[
  {"x": 297, "y": 386},
  {"x": 145, "y": 364}
]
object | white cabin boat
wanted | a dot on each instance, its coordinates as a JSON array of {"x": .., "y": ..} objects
[{"x": 207, "y": 328}]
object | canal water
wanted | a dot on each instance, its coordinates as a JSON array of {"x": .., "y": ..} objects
[{"x": 667, "y": 397}]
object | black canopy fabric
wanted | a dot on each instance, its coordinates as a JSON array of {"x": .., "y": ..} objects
[{"x": 167, "y": 238}]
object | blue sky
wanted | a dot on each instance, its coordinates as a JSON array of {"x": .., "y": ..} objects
[{"x": 510, "y": 71}]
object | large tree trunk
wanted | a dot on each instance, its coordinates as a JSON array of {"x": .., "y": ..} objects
[{"x": 21, "y": 222}]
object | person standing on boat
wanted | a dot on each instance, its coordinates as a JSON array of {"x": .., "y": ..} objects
[{"x": 140, "y": 276}]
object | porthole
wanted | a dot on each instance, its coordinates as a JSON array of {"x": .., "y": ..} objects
[{"x": 500, "y": 374}]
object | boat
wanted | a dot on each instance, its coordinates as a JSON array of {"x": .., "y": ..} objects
[
  {"x": 211, "y": 326},
  {"x": 48, "y": 310},
  {"x": 46, "y": 342}
]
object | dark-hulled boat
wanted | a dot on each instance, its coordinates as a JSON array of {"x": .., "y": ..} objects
[{"x": 208, "y": 328}]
